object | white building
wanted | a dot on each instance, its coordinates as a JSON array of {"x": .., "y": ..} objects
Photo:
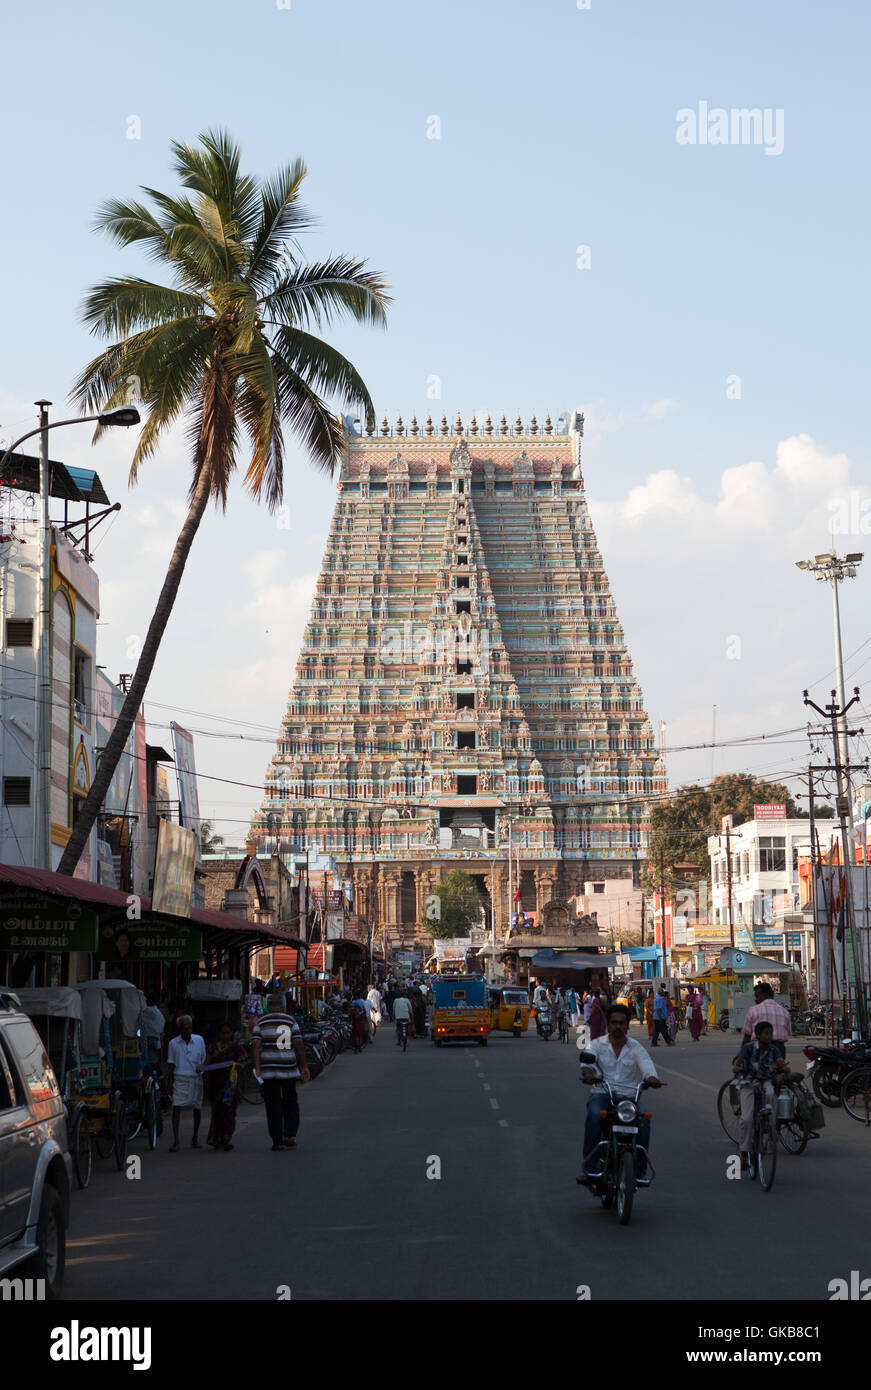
[{"x": 57, "y": 770}]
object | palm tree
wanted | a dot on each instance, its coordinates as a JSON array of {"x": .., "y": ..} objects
[
  {"x": 209, "y": 841},
  {"x": 229, "y": 343}
]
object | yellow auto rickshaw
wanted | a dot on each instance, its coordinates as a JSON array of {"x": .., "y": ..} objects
[{"x": 509, "y": 1009}]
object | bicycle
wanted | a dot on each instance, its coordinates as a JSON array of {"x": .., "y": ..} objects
[
  {"x": 763, "y": 1155},
  {"x": 563, "y": 1025},
  {"x": 792, "y": 1133}
]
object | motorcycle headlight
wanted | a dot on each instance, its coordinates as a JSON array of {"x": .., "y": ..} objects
[{"x": 626, "y": 1112}]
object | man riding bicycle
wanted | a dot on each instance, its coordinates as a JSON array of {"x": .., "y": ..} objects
[
  {"x": 756, "y": 1061},
  {"x": 402, "y": 1014}
]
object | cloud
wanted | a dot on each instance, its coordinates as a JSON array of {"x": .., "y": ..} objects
[{"x": 599, "y": 420}]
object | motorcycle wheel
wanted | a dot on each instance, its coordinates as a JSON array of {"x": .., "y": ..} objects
[
  {"x": 827, "y": 1086},
  {"x": 816, "y": 1028},
  {"x": 728, "y": 1119},
  {"x": 724, "y": 1023},
  {"x": 625, "y": 1186}
]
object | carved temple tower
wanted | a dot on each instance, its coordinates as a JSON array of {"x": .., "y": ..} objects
[{"x": 463, "y": 667}]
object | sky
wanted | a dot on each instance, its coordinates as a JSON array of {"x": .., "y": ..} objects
[{"x": 522, "y": 176}]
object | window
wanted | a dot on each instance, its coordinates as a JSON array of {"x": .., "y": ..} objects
[
  {"x": 467, "y": 786},
  {"x": 16, "y": 791},
  {"x": 772, "y": 854},
  {"x": 462, "y": 581},
  {"x": 466, "y": 739},
  {"x": 464, "y": 668},
  {"x": 464, "y": 605},
  {"x": 19, "y": 632},
  {"x": 82, "y": 687},
  {"x": 598, "y": 887},
  {"x": 465, "y": 701}
]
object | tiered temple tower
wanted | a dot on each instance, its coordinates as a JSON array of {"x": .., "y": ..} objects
[{"x": 463, "y": 668}]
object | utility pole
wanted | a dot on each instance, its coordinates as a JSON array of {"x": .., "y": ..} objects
[
  {"x": 42, "y": 831},
  {"x": 662, "y": 901},
  {"x": 643, "y": 902},
  {"x": 836, "y": 713},
  {"x": 729, "y": 882}
]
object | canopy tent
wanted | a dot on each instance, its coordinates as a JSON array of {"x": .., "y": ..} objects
[
  {"x": 59, "y": 1002},
  {"x": 98, "y": 1004},
  {"x": 744, "y": 963},
  {"x": 214, "y": 989}
]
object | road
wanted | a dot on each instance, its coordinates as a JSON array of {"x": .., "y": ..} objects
[{"x": 352, "y": 1213}]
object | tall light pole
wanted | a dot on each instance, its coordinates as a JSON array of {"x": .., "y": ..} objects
[
  {"x": 124, "y": 415},
  {"x": 833, "y": 569}
]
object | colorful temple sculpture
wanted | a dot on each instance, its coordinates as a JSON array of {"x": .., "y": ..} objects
[{"x": 464, "y": 681}]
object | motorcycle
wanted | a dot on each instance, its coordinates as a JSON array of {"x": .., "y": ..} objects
[
  {"x": 828, "y": 1066},
  {"x": 617, "y": 1180},
  {"x": 545, "y": 1021}
]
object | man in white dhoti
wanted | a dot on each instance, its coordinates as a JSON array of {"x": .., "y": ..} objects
[{"x": 186, "y": 1055}]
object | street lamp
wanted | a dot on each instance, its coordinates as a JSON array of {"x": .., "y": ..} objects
[
  {"x": 125, "y": 416},
  {"x": 834, "y": 569}
]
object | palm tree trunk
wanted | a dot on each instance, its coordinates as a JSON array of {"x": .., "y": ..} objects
[{"x": 117, "y": 743}]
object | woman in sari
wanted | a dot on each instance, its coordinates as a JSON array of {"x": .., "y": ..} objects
[
  {"x": 648, "y": 1012},
  {"x": 227, "y": 1056},
  {"x": 671, "y": 1020},
  {"x": 697, "y": 1022}
]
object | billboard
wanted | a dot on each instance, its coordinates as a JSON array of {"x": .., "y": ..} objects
[
  {"x": 185, "y": 771},
  {"x": 174, "y": 864},
  {"x": 34, "y": 921},
  {"x": 136, "y": 941},
  {"x": 775, "y": 810}
]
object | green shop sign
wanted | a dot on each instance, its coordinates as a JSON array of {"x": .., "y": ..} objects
[
  {"x": 141, "y": 941},
  {"x": 34, "y": 921}
]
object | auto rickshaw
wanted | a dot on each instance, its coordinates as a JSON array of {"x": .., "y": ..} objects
[{"x": 509, "y": 1009}]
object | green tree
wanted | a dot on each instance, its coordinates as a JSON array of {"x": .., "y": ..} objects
[
  {"x": 679, "y": 827},
  {"x": 228, "y": 346},
  {"x": 459, "y": 905}
]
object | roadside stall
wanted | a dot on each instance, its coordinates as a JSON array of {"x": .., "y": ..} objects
[{"x": 729, "y": 986}]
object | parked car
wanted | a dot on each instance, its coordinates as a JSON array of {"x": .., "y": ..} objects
[{"x": 35, "y": 1165}]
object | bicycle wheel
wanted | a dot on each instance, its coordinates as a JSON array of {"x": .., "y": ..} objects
[
  {"x": 119, "y": 1130},
  {"x": 793, "y": 1136},
  {"x": 625, "y": 1186},
  {"x": 728, "y": 1119},
  {"x": 249, "y": 1087},
  {"x": 856, "y": 1094},
  {"x": 81, "y": 1147},
  {"x": 766, "y": 1150},
  {"x": 151, "y": 1115},
  {"x": 103, "y": 1136}
]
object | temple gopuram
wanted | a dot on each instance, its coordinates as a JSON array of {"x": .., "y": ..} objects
[{"x": 463, "y": 682}]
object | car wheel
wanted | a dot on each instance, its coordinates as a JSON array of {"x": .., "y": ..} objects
[{"x": 48, "y": 1263}]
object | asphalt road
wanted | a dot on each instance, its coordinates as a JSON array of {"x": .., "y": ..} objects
[{"x": 352, "y": 1213}]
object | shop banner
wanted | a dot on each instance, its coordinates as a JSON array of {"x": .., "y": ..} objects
[
  {"x": 174, "y": 867},
  {"x": 139, "y": 941},
  {"x": 34, "y": 921}
]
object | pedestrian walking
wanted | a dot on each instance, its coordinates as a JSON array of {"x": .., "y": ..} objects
[
  {"x": 187, "y": 1054},
  {"x": 660, "y": 1018},
  {"x": 694, "y": 1009},
  {"x": 597, "y": 1021},
  {"x": 359, "y": 1026},
  {"x": 374, "y": 997},
  {"x": 648, "y": 1012},
  {"x": 419, "y": 1007},
  {"x": 279, "y": 1062},
  {"x": 671, "y": 1020},
  {"x": 226, "y": 1056}
]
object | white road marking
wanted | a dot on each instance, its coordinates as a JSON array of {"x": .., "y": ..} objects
[
  {"x": 494, "y": 1103},
  {"x": 706, "y": 1085},
  {"x": 486, "y": 1085},
  {"x": 503, "y": 1123}
]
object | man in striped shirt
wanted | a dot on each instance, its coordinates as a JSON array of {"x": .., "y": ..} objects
[
  {"x": 767, "y": 1010},
  {"x": 279, "y": 1062}
]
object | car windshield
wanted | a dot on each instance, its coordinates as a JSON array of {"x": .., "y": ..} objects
[{"x": 515, "y": 996}]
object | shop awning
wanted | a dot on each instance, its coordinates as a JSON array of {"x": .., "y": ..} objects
[
  {"x": 111, "y": 905},
  {"x": 572, "y": 960}
]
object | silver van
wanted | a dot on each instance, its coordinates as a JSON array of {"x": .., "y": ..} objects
[{"x": 35, "y": 1162}]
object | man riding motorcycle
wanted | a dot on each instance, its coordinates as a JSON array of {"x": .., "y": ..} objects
[{"x": 622, "y": 1062}]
